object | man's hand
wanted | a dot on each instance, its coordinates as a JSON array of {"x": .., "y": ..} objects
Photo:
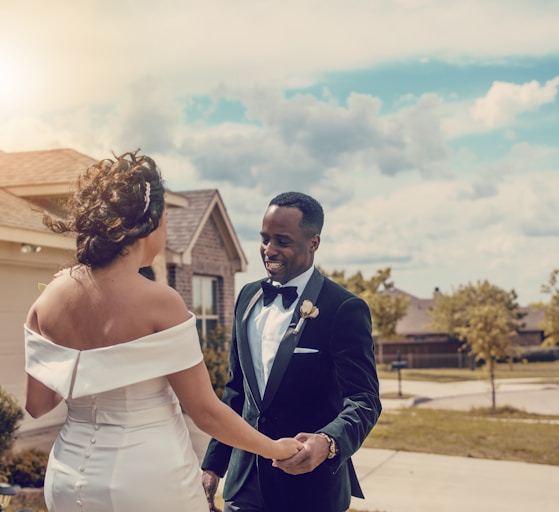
[
  {"x": 210, "y": 482},
  {"x": 313, "y": 453}
]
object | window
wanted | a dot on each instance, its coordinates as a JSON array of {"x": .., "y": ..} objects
[{"x": 204, "y": 297}]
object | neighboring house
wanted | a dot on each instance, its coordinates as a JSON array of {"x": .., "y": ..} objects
[
  {"x": 420, "y": 345},
  {"x": 201, "y": 258}
]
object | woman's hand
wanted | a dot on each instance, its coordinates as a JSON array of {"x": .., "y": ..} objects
[
  {"x": 286, "y": 447},
  {"x": 314, "y": 453}
]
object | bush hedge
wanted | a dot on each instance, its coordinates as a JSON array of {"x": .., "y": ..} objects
[
  {"x": 11, "y": 414},
  {"x": 25, "y": 468}
]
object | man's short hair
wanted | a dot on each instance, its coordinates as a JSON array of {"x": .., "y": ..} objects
[{"x": 313, "y": 214}]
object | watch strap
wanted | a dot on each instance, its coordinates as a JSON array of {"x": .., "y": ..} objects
[{"x": 332, "y": 446}]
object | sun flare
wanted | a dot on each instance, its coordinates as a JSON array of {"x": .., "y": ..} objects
[{"x": 13, "y": 83}]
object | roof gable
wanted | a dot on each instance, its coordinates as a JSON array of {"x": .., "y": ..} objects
[{"x": 186, "y": 224}]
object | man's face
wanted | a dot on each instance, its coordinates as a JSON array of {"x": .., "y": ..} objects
[{"x": 286, "y": 249}]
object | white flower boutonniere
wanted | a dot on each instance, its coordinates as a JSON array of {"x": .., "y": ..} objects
[{"x": 308, "y": 310}]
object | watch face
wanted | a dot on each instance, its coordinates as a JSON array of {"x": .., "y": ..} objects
[{"x": 332, "y": 449}]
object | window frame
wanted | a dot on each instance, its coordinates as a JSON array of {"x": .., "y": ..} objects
[{"x": 207, "y": 312}]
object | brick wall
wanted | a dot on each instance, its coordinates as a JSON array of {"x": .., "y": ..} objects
[{"x": 209, "y": 258}]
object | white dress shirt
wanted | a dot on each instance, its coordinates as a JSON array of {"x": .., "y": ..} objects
[{"x": 266, "y": 327}]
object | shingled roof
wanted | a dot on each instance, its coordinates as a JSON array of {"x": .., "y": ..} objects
[
  {"x": 185, "y": 224},
  {"x": 41, "y": 167},
  {"x": 417, "y": 319},
  {"x": 18, "y": 213},
  {"x": 182, "y": 223}
]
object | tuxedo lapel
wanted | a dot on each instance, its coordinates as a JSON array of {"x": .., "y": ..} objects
[
  {"x": 290, "y": 340},
  {"x": 245, "y": 355}
]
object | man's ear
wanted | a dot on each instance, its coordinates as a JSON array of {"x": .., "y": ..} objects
[{"x": 314, "y": 242}]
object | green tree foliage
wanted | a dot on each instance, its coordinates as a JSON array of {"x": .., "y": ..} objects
[
  {"x": 484, "y": 317},
  {"x": 216, "y": 356},
  {"x": 452, "y": 311},
  {"x": 386, "y": 308},
  {"x": 488, "y": 333},
  {"x": 550, "y": 322},
  {"x": 10, "y": 416}
]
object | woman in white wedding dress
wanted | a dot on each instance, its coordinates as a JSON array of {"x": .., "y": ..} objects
[{"x": 123, "y": 352}]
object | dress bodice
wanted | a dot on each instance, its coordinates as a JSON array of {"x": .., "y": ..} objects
[
  {"x": 76, "y": 373},
  {"x": 135, "y": 404}
]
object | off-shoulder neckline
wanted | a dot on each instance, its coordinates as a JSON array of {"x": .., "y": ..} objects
[{"x": 124, "y": 343}]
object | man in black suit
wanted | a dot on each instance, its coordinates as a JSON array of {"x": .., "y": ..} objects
[{"x": 303, "y": 369}]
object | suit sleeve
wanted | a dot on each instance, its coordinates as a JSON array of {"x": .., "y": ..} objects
[
  {"x": 218, "y": 454},
  {"x": 353, "y": 357}
]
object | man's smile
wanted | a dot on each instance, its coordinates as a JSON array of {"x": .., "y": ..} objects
[{"x": 272, "y": 265}]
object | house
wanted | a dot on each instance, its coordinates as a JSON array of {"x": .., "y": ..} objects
[
  {"x": 201, "y": 257},
  {"x": 422, "y": 346}
]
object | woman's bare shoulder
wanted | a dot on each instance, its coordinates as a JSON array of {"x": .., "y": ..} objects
[{"x": 166, "y": 305}]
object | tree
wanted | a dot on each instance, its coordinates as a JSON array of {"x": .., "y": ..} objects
[
  {"x": 452, "y": 310},
  {"x": 386, "y": 308},
  {"x": 550, "y": 322},
  {"x": 488, "y": 333},
  {"x": 484, "y": 317},
  {"x": 10, "y": 415}
]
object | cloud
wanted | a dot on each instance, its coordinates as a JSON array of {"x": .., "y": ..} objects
[
  {"x": 505, "y": 101},
  {"x": 91, "y": 51},
  {"x": 306, "y": 143},
  {"x": 431, "y": 234}
]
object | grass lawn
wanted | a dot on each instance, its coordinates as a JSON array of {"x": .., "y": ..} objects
[{"x": 507, "y": 435}]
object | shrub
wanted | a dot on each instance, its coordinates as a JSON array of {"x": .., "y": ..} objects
[
  {"x": 10, "y": 415},
  {"x": 216, "y": 357},
  {"x": 26, "y": 468}
]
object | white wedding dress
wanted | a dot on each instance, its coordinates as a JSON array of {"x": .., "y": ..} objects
[{"x": 124, "y": 446}]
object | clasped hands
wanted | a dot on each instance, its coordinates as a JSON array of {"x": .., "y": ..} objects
[{"x": 313, "y": 453}]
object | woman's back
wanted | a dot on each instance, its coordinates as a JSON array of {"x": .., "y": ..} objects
[
  {"x": 124, "y": 435},
  {"x": 85, "y": 309}
]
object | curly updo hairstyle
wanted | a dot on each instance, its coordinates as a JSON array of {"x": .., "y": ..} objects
[{"x": 115, "y": 203}]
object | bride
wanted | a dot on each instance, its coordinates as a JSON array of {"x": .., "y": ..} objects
[{"x": 123, "y": 352}]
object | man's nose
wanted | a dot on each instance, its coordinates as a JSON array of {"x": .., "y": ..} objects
[{"x": 269, "y": 249}]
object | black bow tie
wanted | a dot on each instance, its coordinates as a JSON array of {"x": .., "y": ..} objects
[{"x": 288, "y": 294}]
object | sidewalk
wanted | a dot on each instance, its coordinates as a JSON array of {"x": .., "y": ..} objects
[{"x": 415, "y": 482}]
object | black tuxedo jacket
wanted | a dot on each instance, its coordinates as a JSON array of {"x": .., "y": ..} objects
[{"x": 323, "y": 379}]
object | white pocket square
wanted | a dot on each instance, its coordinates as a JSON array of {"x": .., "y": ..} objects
[{"x": 302, "y": 350}]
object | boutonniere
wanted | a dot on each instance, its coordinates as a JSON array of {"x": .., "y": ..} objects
[{"x": 308, "y": 310}]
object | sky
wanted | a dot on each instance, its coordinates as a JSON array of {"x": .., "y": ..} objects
[{"x": 427, "y": 129}]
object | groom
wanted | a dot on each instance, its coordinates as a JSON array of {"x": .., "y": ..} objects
[{"x": 297, "y": 370}]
